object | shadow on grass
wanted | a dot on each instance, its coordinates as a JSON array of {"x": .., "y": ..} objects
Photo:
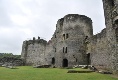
[
  {"x": 75, "y": 71},
  {"x": 13, "y": 68}
]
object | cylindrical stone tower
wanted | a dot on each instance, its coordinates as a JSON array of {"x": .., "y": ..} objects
[{"x": 71, "y": 40}]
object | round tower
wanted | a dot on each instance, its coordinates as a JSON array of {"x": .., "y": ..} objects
[{"x": 71, "y": 50}]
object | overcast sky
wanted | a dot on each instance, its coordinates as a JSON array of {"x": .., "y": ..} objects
[{"x": 23, "y": 19}]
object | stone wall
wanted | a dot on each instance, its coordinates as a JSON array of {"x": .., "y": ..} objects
[
  {"x": 11, "y": 60},
  {"x": 34, "y": 51},
  {"x": 67, "y": 43},
  {"x": 73, "y": 42},
  {"x": 111, "y": 21},
  {"x": 98, "y": 50}
]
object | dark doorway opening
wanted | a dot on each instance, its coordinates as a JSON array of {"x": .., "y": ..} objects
[
  {"x": 65, "y": 63},
  {"x": 116, "y": 22},
  {"x": 116, "y": 29},
  {"x": 116, "y": 32},
  {"x": 53, "y": 60},
  {"x": 76, "y": 59},
  {"x": 88, "y": 59}
]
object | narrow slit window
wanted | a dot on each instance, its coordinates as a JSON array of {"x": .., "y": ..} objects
[
  {"x": 66, "y": 36},
  {"x": 66, "y": 50},
  {"x": 76, "y": 59},
  {"x": 55, "y": 49},
  {"x": 63, "y": 49}
]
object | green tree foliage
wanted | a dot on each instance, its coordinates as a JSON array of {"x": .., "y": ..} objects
[{"x": 2, "y": 55}]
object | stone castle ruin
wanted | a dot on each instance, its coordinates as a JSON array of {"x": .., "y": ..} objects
[{"x": 73, "y": 42}]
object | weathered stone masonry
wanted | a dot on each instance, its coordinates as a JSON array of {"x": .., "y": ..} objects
[
  {"x": 33, "y": 51},
  {"x": 67, "y": 46},
  {"x": 73, "y": 42}
]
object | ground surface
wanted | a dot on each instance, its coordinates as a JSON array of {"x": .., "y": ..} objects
[{"x": 29, "y": 73}]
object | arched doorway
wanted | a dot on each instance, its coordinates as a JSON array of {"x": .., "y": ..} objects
[
  {"x": 65, "y": 63},
  {"x": 116, "y": 29},
  {"x": 88, "y": 59},
  {"x": 53, "y": 60},
  {"x": 116, "y": 32}
]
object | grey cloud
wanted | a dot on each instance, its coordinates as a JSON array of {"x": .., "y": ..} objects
[
  {"x": 7, "y": 7},
  {"x": 43, "y": 17},
  {"x": 4, "y": 16}
]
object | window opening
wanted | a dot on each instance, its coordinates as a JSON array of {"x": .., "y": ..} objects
[
  {"x": 55, "y": 49},
  {"x": 63, "y": 49},
  {"x": 63, "y": 36},
  {"x": 66, "y": 50},
  {"x": 66, "y": 36},
  {"x": 53, "y": 60},
  {"x": 116, "y": 32}
]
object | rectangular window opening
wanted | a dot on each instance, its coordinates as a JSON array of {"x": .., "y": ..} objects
[
  {"x": 66, "y": 50},
  {"x": 63, "y": 36},
  {"x": 66, "y": 36},
  {"x": 55, "y": 49},
  {"x": 63, "y": 49}
]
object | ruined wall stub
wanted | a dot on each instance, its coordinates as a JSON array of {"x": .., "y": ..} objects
[{"x": 33, "y": 51}]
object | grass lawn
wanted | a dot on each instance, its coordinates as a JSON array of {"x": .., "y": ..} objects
[{"x": 29, "y": 73}]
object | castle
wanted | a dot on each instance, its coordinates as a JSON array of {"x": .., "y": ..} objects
[{"x": 73, "y": 42}]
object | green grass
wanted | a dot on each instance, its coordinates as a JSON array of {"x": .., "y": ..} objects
[{"x": 29, "y": 73}]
